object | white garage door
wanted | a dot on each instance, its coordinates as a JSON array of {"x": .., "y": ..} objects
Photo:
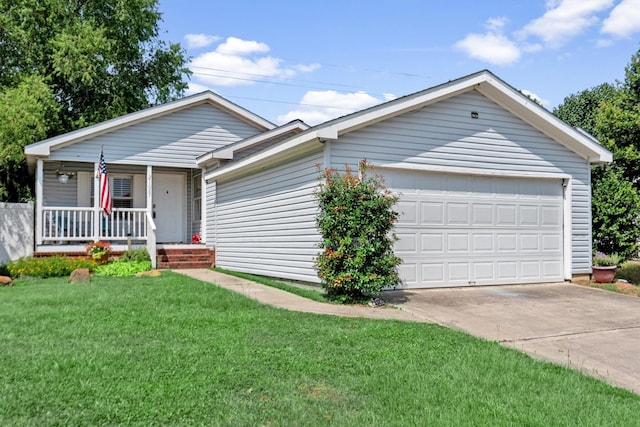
[{"x": 461, "y": 230}]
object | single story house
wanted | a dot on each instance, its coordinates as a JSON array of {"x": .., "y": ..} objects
[{"x": 493, "y": 188}]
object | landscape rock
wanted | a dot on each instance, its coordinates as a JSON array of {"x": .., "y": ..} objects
[
  {"x": 150, "y": 273},
  {"x": 80, "y": 275},
  {"x": 6, "y": 281}
]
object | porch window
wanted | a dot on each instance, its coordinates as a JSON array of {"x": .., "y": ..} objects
[
  {"x": 121, "y": 187},
  {"x": 197, "y": 198},
  {"x": 122, "y": 191}
]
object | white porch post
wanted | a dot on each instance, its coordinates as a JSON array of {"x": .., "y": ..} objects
[
  {"x": 151, "y": 229},
  {"x": 96, "y": 202},
  {"x": 39, "y": 193}
]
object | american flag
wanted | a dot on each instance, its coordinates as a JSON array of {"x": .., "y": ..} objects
[{"x": 105, "y": 194}]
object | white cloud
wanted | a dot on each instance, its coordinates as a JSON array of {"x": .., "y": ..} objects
[
  {"x": 236, "y": 46},
  {"x": 195, "y": 88},
  {"x": 195, "y": 41},
  {"x": 319, "y": 106},
  {"x": 544, "y": 102},
  {"x": 565, "y": 19},
  {"x": 624, "y": 19},
  {"x": 237, "y": 62},
  {"x": 493, "y": 46}
]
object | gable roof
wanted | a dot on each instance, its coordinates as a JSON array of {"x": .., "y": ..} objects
[
  {"x": 483, "y": 81},
  {"x": 43, "y": 148},
  {"x": 227, "y": 152}
]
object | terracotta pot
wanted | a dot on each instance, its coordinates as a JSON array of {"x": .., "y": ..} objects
[{"x": 603, "y": 274}]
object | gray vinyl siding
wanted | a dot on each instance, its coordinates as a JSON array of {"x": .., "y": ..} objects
[
  {"x": 173, "y": 140},
  {"x": 266, "y": 221},
  {"x": 444, "y": 135},
  {"x": 210, "y": 213}
]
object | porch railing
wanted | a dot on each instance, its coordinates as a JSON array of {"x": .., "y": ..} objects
[{"x": 79, "y": 224}]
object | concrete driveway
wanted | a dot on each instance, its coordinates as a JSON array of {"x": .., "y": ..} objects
[{"x": 594, "y": 331}]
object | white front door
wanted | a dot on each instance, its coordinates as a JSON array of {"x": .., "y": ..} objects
[{"x": 168, "y": 207}]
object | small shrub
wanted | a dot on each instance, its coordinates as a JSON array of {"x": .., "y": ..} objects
[
  {"x": 53, "y": 266},
  {"x": 4, "y": 271},
  {"x": 629, "y": 272},
  {"x": 602, "y": 260},
  {"x": 140, "y": 254},
  {"x": 123, "y": 268}
]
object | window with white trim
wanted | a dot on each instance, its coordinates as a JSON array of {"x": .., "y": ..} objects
[
  {"x": 121, "y": 188},
  {"x": 197, "y": 198}
]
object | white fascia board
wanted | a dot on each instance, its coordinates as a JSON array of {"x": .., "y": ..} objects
[
  {"x": 527, "y": 110},
  {"x": 43, "y": 148},
  {"x": 260, "y": 156},
  {"x": 227, "y": 152}
]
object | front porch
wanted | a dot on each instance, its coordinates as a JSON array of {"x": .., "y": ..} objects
[{"x": 152, "y": 206}]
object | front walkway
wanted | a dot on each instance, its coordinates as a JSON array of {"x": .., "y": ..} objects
[{"x": 594, "y": 331}]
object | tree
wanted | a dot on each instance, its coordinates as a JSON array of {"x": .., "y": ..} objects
[
  {"x": 355, "y": 220},
  {"x": 616, "y": 220},
  {"x": 95, "y": 60},
  {"x": 612, "y": 114}
]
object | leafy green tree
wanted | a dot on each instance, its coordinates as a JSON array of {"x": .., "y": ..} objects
[
  {"x": 612, "y": 114},
  {"x": 617, "y": 124},
  {"x": 96, "y": 59},
  {"x": 616, "y": 220},
  {"x": 580, "y": 109},
  {"x": 355, "y": 220}
]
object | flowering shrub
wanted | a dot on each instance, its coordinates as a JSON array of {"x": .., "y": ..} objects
[
  {"x": 98, "y": 249},
  {"x": 196, "y": 238},
  {"x": 54, "y": 266},
  {"x": 356, "y": 222}
]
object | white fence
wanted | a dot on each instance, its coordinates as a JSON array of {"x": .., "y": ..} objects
[{"x": 16, "y": 231}]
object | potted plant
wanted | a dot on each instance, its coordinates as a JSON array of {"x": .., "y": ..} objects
[
  {"x": 604, "y": 267},
  {"x": 99, "y": 251}
]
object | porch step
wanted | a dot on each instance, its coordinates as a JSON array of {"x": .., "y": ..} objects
[{"x": 179, "y": 258}]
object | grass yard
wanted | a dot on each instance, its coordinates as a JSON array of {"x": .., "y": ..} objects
[{"x": 175, "y": 351}]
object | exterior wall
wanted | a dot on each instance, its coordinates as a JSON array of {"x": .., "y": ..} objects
[
  {"x": 16, "y": 231},
  {"x": 210, "y": 214},
  {"x": 266, "y": 221},
  {"x": 443, "y": 136},
  {"x": 173, "y": 140}
]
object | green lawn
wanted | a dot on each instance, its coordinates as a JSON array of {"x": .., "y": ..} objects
[{"x": 175, "y": 351}]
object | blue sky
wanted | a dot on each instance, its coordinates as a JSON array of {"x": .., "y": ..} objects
[{"x": 316, "y": 60}]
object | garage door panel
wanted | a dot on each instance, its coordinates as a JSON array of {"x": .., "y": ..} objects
[
  {"x": 458, "y": 230},
  {"x": 432, "y": 213},
  {"x": 528, "y": 216},
  {"x": 506, "y": 215},
  {"x": 482, "y": 214},
  {"x": 483, "y": 242},
  {"x": 484, "y": 271},
  {"x": 507, "y": 242},
  {"x": 407, "y": 243},
  {"x": 529, "y": 242},
  {"x": 530, "y": 269},
  {"x": 408, "y": 211},
  {"x": 457, "y": 214},
  {"x": 457, "y": 243},
  {"x": 551, "y": 242},
  {"x": 432, "y": 243},
  {"x": 551, "y": 216},
  {"x": 459, "y": 272}
]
